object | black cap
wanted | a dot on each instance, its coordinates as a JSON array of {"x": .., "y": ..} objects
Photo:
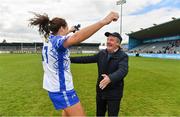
[{"x": 115, "y": 34}]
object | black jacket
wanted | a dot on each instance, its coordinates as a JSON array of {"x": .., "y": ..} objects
[{"x": 115, "y": 66}]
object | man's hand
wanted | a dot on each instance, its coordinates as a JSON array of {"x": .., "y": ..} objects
[{"x": 106, "y": 80}]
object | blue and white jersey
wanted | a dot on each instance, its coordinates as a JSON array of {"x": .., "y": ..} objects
[{"x": 56, "y": 65}]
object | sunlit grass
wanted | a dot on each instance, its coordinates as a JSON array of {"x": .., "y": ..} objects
[{"x": 151, "y": 87}]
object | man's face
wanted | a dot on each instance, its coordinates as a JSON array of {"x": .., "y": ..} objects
[{"x": 112, "y": 43}]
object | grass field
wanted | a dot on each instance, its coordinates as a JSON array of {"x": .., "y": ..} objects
[{"x": 152, "y": 87}]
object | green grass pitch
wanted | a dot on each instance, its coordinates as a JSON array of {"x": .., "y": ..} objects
[{"x": 152, "y": 87}]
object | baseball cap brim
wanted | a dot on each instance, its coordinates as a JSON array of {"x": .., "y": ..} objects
[{"x": 108, "y": 33}]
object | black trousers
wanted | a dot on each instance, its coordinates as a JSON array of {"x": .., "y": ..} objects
[{"x": 110, "y": 105}]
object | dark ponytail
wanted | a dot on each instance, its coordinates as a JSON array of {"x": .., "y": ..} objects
[
  {"x": 42, "y": 21},
  {"x": 46, "y": 26}
]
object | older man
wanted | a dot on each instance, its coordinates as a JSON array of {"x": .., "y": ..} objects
[{"x": 112, "y": 68}]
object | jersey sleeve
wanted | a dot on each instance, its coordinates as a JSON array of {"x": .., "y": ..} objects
[{"x": 59, "y": 43}]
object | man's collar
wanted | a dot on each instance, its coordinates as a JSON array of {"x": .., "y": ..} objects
[{"x": 115, "y": 50}]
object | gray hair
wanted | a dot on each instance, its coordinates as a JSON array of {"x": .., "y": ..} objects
[{"x": 118, "y": 41}]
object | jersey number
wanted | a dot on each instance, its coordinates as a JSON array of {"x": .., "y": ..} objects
[{"x": 45, "y": 56}]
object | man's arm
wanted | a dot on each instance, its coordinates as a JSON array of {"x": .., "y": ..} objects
[
  {"x": 84, "y": 59},
  {"x": 122, "y": 70},
  {"x": 118, "y": 75}
]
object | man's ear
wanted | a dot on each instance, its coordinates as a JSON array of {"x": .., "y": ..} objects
[{"x": 118, "y": 44}]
